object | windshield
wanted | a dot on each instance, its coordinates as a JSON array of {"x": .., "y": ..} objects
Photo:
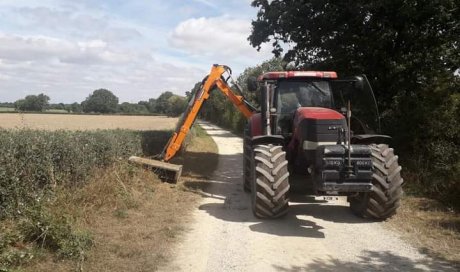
[
  {"x": 364, "y": 111},
  {"x": 295, "y": 94},
  {"x": 333, "y": 94}
]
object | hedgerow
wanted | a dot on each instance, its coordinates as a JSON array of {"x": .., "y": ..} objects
[{"x": 34, "y": 164}]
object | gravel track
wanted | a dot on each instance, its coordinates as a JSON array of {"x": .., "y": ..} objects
[{"x": 315, "y": 236}]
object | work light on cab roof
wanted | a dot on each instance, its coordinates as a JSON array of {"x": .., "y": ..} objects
[{"x": 299, "y": 74}]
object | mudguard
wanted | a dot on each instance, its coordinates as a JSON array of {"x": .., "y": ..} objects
[
  {"x": 370, "y": 139},
  {"x": 267, "y": 139}
]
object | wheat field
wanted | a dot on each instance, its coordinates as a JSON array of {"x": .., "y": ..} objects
[{"x": 84, "y": 122}]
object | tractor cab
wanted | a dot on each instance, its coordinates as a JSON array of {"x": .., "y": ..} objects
[{"x": 289, "y": 91}]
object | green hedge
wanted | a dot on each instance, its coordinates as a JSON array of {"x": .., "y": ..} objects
[{"x": 32, "y": 162}]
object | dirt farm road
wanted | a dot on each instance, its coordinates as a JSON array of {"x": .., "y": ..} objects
[{"x": 314, "y": 236}]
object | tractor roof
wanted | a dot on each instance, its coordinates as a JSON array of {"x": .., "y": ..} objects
[{"x": 297, "y": 74}]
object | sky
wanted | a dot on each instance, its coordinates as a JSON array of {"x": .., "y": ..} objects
[{"x": 135, "y": 48}]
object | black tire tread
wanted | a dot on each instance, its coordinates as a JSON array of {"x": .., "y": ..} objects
[
  {"x": 271, "y": 184},
  {"x": 384, "y": 200}
]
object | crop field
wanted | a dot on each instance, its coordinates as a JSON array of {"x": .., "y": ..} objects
[{"x": 85, "y": 122}]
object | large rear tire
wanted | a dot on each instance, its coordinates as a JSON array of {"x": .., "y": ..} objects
[
  {"x": 270, "y": 183},
  {"x": 384, "y": 200}
]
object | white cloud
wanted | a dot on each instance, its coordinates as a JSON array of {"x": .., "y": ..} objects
[
  {"x": 68, "y": 71},
  {"x": 216, "y": 37},
  {"x": 43, "y": 48},
  {"x": 14, "y": 47},
  {"x": 82, "y": 24}
]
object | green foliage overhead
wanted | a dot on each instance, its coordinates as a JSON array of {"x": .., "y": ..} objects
[
  {"x": 400, "y": 45},
  {"x": 100, "y": 101},
  {"x": 32, "y": 103}
]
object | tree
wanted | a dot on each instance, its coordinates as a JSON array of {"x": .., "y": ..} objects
[
  {"x": 162, "y": 104},
  {"x": 149, "y": 105},
  {"x": 101, "y": 101},
  {"x": 274, "y": 64},
  {"x": 177, "y": 105},
  {"x": 75, "y": 107},
  {"x": 32, "y": 103},
  {"x": 133, "y": 108}
]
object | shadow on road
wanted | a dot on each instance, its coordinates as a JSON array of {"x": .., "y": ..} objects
[
  {"x": 373, "y": 261},
  {"x": 290, "y": 225},
  {"x": 197, "y": 164},
  {"x": 227, "y": 186}
]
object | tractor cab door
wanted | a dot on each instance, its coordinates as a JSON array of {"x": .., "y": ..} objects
[{"x": 364, "y": 110}]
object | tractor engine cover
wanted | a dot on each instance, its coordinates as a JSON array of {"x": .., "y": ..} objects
[
  {"x": 320, "y": 153},
  {"x": 313, "y": 127}
]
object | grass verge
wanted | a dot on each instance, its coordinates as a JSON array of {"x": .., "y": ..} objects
[{"x": 429, "y": 226}]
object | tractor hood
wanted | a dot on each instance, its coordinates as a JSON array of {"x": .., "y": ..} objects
[{"x": 315, "y": 113}]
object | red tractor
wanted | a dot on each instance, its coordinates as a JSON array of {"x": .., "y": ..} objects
[{"x": 305, "y": 129}]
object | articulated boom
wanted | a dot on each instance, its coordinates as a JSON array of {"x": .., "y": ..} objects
[{"x": 214, "y": 79}]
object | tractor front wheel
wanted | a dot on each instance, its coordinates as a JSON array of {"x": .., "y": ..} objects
[
  {"x": 383, "y": 201},
  {"x": 270, "y": 183}
]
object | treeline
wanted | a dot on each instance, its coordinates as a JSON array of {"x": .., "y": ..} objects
[{"x": 105, "y": 102}]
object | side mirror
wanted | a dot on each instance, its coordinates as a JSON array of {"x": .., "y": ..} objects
[
  {"x": 359, "y": 82},
  {"x": 252, "y": 84}
]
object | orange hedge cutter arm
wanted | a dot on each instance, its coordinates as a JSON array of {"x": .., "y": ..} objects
[{"x": 215, "y": 78}]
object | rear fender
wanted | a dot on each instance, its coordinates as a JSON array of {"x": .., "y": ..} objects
[
  {"x": 370, "y": 139},
  {"x": 267, "y": 139}
]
